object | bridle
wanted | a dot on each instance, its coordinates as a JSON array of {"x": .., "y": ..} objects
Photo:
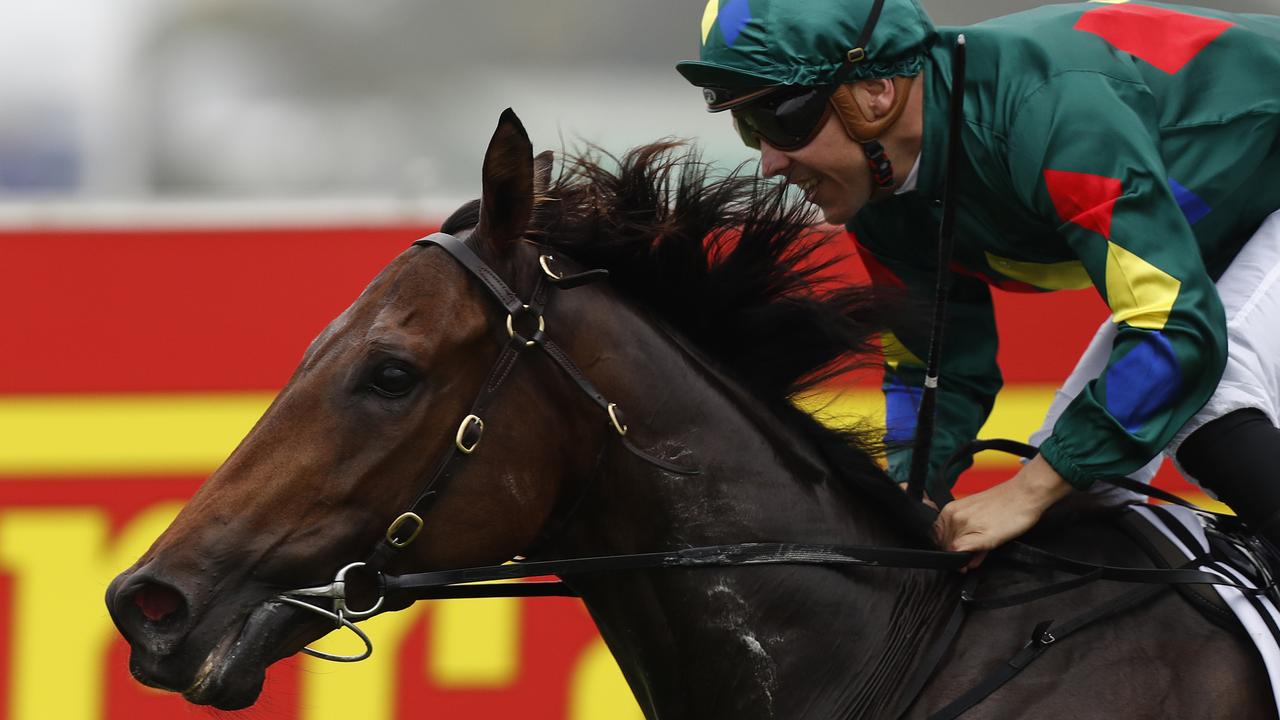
[{"x": 526, "y": 329}]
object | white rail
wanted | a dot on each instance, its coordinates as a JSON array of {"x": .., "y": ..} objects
[{"x": 54, "y": 214}]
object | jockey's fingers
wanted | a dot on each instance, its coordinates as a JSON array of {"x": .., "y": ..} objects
[
  {"x": 942, "y": 530},
  {"x": 970, "y": 541},
  {"x": 954, "y": 516},
  {"x": 975, "y": 561}
]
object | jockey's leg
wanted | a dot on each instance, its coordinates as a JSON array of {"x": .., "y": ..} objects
[
  {"x": 1250, "y": 292},
  {"x": 1232, "y": 446},
  {"x": 1237, "y": 457}
]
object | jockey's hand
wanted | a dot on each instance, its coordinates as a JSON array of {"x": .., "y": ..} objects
[{"x": 984, "y": 521}]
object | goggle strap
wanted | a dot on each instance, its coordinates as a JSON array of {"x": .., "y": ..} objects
[
  {"x": 714, "y": 105},
  {"x": 864, "y": 37}
]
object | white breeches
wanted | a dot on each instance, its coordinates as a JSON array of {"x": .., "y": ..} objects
[{"x": 1250, "y": 292}]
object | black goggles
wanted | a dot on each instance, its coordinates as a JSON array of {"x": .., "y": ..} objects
[{"x": 787, "y": 119}]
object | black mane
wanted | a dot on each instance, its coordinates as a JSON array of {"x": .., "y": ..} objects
[{"x": 724, "y": 262}]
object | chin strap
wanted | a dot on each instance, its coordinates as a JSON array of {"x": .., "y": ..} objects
[{"x": 881, "y": 169}]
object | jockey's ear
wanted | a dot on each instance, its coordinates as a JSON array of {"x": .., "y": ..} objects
[
  {"x": 874, "y": 98},
  {"x": 867, "y": 108},
  {"x": 542, "y": 165},
  {"x": 506, "y": 202}
]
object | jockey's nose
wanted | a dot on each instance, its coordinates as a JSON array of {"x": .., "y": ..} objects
[{"x": 772, "y": 160}]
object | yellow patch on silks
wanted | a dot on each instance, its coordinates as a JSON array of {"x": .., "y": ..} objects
[
  {"x": 709, "y": 18},
  {"x": 1139, "y": 293},
  {"x": 1068, "y": 275},
  {"x": 895, "y": 353}
]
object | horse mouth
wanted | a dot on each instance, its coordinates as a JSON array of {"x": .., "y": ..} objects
[{"x": 232, "y": 675}]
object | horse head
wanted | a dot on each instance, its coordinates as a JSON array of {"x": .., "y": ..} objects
[
  {"x": 346, "y": 446},
  {"x": 416, "y": 436}
]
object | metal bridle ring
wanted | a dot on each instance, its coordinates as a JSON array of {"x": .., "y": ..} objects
[
  {"x": 342, "y": 623},
  {"x": 545, "y": 262},
  {"x": 511, "y": 331},
  {"x": 613, "y": 418},
  {"x": 340, "y": 602}
]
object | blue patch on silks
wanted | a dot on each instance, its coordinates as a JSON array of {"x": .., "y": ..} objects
[
  {"x": 734, "y": 15},
  {"x": 1193, "y": 207},
  {"x": 1142, "y": 383},
  {"x": 901, "y": 406}
]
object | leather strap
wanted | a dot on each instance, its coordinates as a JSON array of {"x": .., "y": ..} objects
[
  {"x": 706, "y": 556},
  {"x": 509, "y": 300},
  {"x": 858, "y": 53},
  {"x": 1138, "y": 488},
  {"x": 386, "y": 550},
  {"x": 1022, "y": 554},
  {"x": 477, "y": 267},
  {"x": 928, "y": 666},
  {"x": 1026, "y": 596},
  {"x": 942, "y": 496},
  {"x": 1043, "y": 637},
  {"x": 389, "y": 546}
]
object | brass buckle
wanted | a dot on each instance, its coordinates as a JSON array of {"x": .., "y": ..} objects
[
  {"x": 395, "y": 527},
  {"x": 856, "y": 55},
  {"x": 545, "y": 262},
  {"x": 613, "y": 418},
  {"x": 511, "y": 331},
  {"x": 462, "y": 429}
]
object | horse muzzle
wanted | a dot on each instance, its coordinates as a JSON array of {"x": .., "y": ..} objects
[{"x": 218, "y": 657}]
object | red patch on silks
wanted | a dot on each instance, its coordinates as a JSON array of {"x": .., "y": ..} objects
[
  {"x": 880, "y": 275},
  {"x": 1006, "y": 284},
  {"x": 1083, "y": 199},
  {"x": 1167, "y": 39},
  {"x": 157, "y": 603}
]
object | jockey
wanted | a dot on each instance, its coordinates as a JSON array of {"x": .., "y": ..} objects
[{"x": 1129, "y": 147}]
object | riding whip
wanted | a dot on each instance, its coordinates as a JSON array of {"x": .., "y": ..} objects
[{"x": 946, "y": 244}]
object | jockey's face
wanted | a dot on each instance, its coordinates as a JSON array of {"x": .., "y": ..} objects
[{"x": 832, "y": 170}]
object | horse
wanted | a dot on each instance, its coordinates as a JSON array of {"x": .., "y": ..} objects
[{"x": 713, "y": 318}]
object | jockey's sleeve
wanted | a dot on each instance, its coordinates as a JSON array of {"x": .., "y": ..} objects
[
  {"x": 970, "y": 377},
  {"x": 1082, "y": 157}
]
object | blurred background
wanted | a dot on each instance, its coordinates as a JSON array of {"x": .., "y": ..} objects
[
  {"x": 142, "y": 99},
  {"x": 191, "y": 189}
]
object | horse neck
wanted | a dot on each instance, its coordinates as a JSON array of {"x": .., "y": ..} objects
[{"x": 752, "y": 642}]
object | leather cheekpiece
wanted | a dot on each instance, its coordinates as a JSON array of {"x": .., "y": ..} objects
[
  {"x": 866, "y": 131},
  {"x": 856, "y": 123}
]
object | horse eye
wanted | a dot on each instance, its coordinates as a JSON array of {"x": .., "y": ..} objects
[{"x": 393, "y": 380}]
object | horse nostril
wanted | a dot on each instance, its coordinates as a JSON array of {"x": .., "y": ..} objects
[
  {"x": 153, "y": 615},
  {"x": 158, "y": 602}
]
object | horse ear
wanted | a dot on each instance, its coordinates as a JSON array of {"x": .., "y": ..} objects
[
  {"x": 506, "y": 203},
  {"x": 542, "y": 165}
]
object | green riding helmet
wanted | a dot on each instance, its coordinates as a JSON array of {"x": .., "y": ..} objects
[{"x": 761, "y": 43}]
